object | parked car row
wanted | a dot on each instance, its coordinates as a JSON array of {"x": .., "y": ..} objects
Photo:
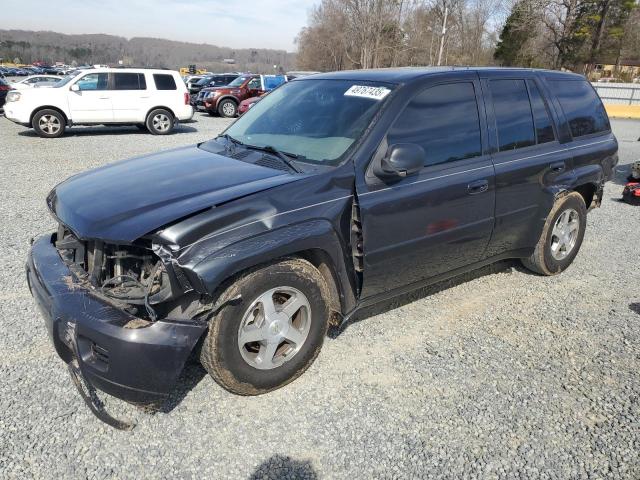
[
  {"x": 225, "y": 100},
  {"x": 34, "y": 70},
  {"x": 34, "y": 81}
]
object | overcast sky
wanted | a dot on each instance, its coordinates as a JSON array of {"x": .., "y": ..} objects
[{"x": 232, "y": 23}]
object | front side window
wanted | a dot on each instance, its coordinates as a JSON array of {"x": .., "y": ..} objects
[
  {"x": 315, "y": 120},
  {"x": 444, "y": 121},
  {"x": 164, "y": 81},
  {"x": 129, "y": 81},
  {"x": 514, "y": 119},
  {"x": 238, "y": 81},
  {"x": 254, "y": 84},
  {"x": 93, "y": 81},
  {"x": 582, "y": 107}
]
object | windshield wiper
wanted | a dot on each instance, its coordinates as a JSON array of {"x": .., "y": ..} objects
[
  {"x": 281, "y": 155},
  {"x": 229, "y": 138}
]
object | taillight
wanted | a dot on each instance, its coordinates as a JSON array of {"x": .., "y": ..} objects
[
  {"x": 5, "y": 87},
  {"x": 186, "y": 98}
]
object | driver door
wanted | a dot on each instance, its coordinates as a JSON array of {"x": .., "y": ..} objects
[
  {"x": 254, "y": 87},
  {"x": 439, "y": 218},
  {"x": 91, "y": 102}
]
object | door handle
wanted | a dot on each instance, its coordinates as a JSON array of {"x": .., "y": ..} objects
[
  {"x": 104, "y": 98},
  {"x": 478, "y": 186},
  {"x": 557, "y": 167}
]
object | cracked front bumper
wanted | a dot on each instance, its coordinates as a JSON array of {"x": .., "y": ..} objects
[{"x": 137, "y": 365}]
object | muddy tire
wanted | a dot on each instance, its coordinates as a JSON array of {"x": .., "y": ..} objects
[
  {"x": 227, "y": 108},
  {"x": 561, "y": 237},
  {"x": 160, "y": 122},
  {"x": 273, "y": 333},
  {"x": 49, "y": 123}
]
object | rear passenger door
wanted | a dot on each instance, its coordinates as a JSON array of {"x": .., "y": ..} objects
[
  {"x": 129, "y": 97},
  {"x": 530, "y": 163},
  {"x": 441, "y": 218}
]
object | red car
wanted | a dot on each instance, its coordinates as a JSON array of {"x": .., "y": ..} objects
[
  {"x": 247, "y": 104},
  {"x": 225, "y": 101}
]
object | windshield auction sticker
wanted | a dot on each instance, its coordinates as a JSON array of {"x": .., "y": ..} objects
[{"x": 375, "y": 93}]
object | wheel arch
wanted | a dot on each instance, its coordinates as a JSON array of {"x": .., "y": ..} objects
[
  {"x": 158, "y": 107},
  {"x": 588, "y": 192},
  {"x": 315, "y": 241},
  {"x": 48, "y": 107}
]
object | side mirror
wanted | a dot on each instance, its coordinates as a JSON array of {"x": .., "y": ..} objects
[
  {"x": 401, "y": 160},
  {"x": 75, "y": 87}
]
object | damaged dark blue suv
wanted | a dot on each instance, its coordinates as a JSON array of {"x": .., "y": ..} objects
[{"x": 334, "y": 192}]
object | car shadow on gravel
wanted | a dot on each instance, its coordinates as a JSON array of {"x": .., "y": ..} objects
[
  {"x": 397, "y": 302},
  {"x": 279, "y": 466},
  {"x": 635, "y": 307},
  {"x": 98, "y": 131},
  {"x": 191, "y": 375}
]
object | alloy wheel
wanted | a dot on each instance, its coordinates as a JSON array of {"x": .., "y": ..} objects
[
  {"x": 49, "y": 124},
  {"x": 565, "y": 234},
  {"x": 274, "y": 327},
  {"x": 161, "y": 122}
]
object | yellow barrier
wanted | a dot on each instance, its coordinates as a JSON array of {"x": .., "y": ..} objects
[{"x": 623, "y": 111}]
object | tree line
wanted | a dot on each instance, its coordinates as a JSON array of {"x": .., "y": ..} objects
[
  {"x": 572, "y": 34},
  {"x": 50, "y": 47}
]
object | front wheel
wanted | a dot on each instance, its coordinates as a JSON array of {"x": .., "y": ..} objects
[
  {"x": 273, "y": 333},
  {"x": 561, "y": 236},
  {"x": 227, "y": 108},
  {"x": 160, "y": 122},
  {"x": 48, "y": 123}
]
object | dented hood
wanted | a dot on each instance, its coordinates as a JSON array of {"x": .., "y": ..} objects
[{"x": 123, "y": 201}]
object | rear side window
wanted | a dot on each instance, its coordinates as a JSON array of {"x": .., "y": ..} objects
[
  {"x": 582, "y": 107},
  {"x": 444, "y": 121},
  {"x": 129, "y": 81},
  {"x": 541, "y": 118},
  {"x": 514, "y": 119},
  {"x": 164, "y": 81}
]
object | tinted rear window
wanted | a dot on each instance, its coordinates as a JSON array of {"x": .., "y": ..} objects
[
  {"x": 514, "y": 120},
  {"x": 164, "y": 82},
  {"x": 129, "y": 81},
  {"x": 443, "y": 120},
  {"x": 544, "y": 127},
  {"x": 582, "y": 107}
]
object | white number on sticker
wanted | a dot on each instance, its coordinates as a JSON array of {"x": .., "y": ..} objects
[{"x": 375, "y": 93}]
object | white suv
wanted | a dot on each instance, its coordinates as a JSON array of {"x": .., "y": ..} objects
[{"x": 151, "y": 99}]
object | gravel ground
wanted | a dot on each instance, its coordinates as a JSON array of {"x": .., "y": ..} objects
[{"x": 499, "y": 374}]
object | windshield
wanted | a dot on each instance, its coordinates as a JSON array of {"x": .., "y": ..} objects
[
  {"x": 237, "y": 82},
  {"x": 203, "y": 80},
  {"x": 63, "y": 81},
  {"x": 316, "y": 120}
]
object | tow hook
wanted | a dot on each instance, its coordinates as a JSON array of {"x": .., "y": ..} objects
[{"x": 88, "y": 392}]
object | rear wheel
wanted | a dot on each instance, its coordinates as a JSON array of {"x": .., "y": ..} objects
[
  {"x": 48, "y": 123},
  {"x": 160, "y": 122},
  {"x": 227, "y": 108},
  {"x": 273, "y": 333},
  {"x": 561, "y": 236}
]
